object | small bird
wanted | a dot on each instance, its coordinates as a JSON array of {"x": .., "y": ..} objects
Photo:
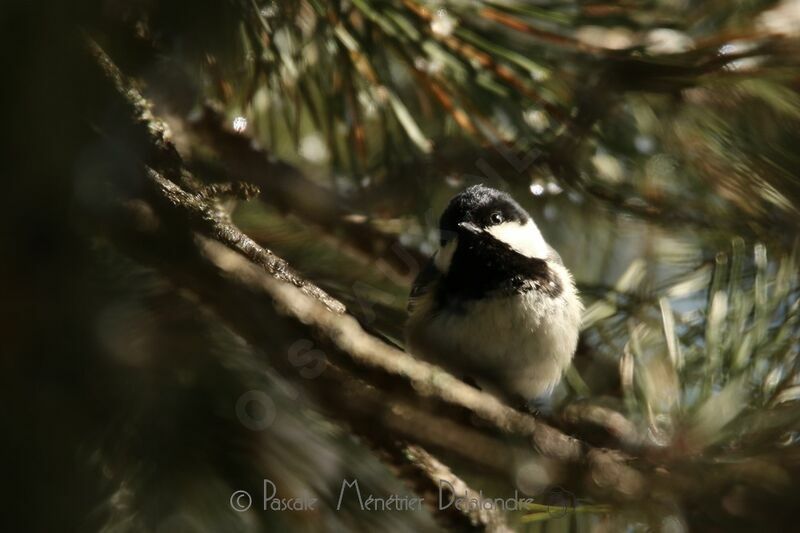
[{"x": 495, "y": 304}]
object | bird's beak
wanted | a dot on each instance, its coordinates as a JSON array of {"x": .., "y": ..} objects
[{"x": 470, "y": 227}]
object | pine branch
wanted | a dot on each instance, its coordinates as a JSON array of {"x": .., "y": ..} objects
[{"x": 286, "y": 188}]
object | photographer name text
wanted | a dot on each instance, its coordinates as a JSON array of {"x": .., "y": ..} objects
[{"x": 350, "y": 490}]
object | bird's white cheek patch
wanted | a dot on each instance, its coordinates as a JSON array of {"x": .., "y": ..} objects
[
  {"x": 445, "y": 255},
  {"x": 524, "y": 238}
]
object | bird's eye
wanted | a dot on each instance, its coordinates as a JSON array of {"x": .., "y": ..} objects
[{"x": 496, "y": 218}]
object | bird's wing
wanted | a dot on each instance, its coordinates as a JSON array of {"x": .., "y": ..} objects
[{"x": 424, "y": 283}]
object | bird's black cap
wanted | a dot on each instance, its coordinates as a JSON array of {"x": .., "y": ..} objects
[{"x": 476, "y": 205}]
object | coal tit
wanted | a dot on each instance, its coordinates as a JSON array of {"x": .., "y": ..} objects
[{"x": 495, "y": 304}]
